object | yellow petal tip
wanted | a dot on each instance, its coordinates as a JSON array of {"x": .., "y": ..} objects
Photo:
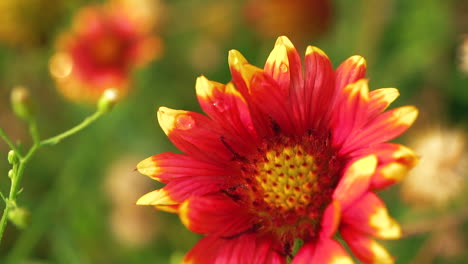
[
  {"x": 148, "y": 167},
  {"x": 157, "y": 197},
  {"x": 284, "y": 41},
  {"x": 358, "y": 60},
  {"x": 170, "y": 119},
  {"x": 314, "y": 50},
  {"x": 387, "y": 227},
  {"x": 235, "y": 58},
  {"x": 203, "y": 87},
  {"x": 407, "y": 115}
]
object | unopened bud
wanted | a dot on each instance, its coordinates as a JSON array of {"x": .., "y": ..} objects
[
  {"x": 20, "y": 217},
  {"x": 11, "y": 157},
  {"x": 10, "y": 173},
  {"x": 21, "y": 103},
  {"x": 107, "y": 100}
]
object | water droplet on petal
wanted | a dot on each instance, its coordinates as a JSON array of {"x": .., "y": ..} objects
[
  {"x": 185, "y": 122},
  {"x": 220, "y": 106},
  {"x": 284, "y": 68}
]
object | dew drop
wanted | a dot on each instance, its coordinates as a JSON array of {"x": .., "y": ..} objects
[
  {"x": 284, "y": 68},
  {"x": 220, "y": 106},
  {"x": 185, "y": 122}
]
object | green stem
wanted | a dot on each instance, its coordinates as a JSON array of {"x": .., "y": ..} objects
[
  {"x": 12, "y": 146},
  {"x": 16, "y": 179},
  {"x": 60, "y": 137},
  {"x": 37, "y": 143}
]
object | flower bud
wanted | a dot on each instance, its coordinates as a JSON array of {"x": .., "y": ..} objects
[
  {"x": 21, "y": 103},
  {"x": 10, "y": 173},
  {"x": 107, "y": 100},
  {"x": 20, "y": 217},
  {"x": 12, "y": 157}
]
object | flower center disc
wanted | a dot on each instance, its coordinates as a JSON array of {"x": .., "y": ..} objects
[
  {"x": 289, "y": 182},
  {"x": 107, "y": 50},
  {"x": 288, "y": 178}
]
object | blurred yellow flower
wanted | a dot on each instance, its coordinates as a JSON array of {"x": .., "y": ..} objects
[{"x": 441, "y": 174}]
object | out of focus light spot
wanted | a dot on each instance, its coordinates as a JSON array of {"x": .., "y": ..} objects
[{"x": 60, "y": 65}]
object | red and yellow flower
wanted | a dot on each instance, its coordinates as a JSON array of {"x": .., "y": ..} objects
[
  {"x": 103, "y": 47},
  {"x": 284, "y": 155}
]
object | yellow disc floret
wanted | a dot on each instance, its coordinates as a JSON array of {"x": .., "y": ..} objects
[{"x": 287, "y": 176}]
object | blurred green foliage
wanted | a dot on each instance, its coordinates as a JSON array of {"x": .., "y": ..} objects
[{"x": 411, "y": 45}]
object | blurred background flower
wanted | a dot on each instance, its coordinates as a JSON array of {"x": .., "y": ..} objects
[
  {"x": 131, "y": 225},
  {"x": 441, "y": 175},
  {"x": 100, "y": 51}
]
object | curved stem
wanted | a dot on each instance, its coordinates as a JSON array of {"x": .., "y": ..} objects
[
  {"x": 37, "y": 143},
  {"x": 56, "y": 139},
  {"x": 12, "y": 146}
]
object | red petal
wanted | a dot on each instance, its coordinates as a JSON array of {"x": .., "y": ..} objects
[
  {"x": 331, "y": 219},
  {"x": 181, "y": 189},
  {"x": 351, "y": 70},
  {"x": 242, "y": 74},
  {"x": 243, "y": 249},
  {"x": 227, "y": 107},
  {"x": 369, "y": 215},
  {"x": 315, "y": 98},
  {"x": 273, "y": 103},
  {"x": 196, "y": 134},
  {"x": 167, "y": 166},
  {"x": 386, "y": 126},
  {"x": 395, "y": 161},
  {"x": 366, "y": 249},
  {"x": 215, "y": 214},
  {"x": 351, "y": 111},
  {"x": 380, "y": 99},
  {"x": 355, "y": 180},
  {"x": 326, "y": 251}
]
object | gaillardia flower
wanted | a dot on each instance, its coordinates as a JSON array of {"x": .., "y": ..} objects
[
  {"x": 284, "y": 157},
  {"x": 100, "y": 52}
]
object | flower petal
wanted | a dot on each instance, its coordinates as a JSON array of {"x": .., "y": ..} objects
[
  {"x": 195, "y": 134},
  {"x": 369, "y": 215},
  {"x": 167, "y": 166},
  {"x": 242, "y": 74},
  {"x": 316, "y": 96},
  {"x": 386, "y": 126},
  {"x": 351, "y": 70},
  {"x": 277, "y": 64},
  {"x": 285, "y": 54},
  {"x": 226, "y": 106},
  {"x": 351, "y": 111},
  {"x": 215, "y": 214},
  {"x": 366, "y": 249},
  {"x": 326, "y": 251},
  {"x": 331, "y": 219},
  {"x": 160, "y": 199},
  {"x": 273, "y": 103},
  {"x": 380, "y": 99},
  {"x": 355, "y": 180},
  {"x": 243, "y": 249},
  {"x": 183, "y": 188},
  {"x": 395, "y": 161}
]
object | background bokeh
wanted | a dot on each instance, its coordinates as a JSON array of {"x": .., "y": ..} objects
[{"x": 82, "y": 192}]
